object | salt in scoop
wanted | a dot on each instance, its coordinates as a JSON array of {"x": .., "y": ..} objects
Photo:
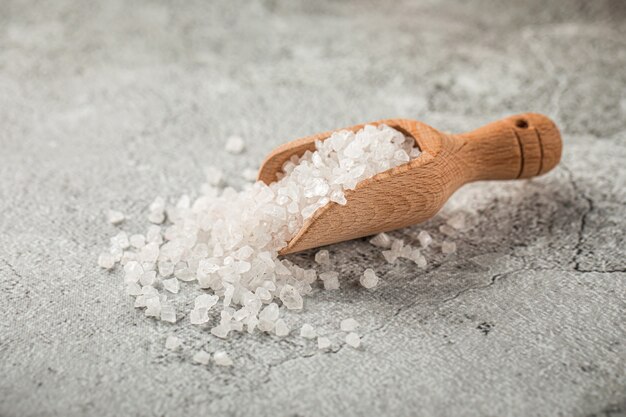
[{"x": 517, "y": 147}]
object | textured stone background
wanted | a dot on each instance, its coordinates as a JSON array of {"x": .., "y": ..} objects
[{"x": 108, "y": 104}]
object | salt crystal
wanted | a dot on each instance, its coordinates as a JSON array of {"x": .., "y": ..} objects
[
  {"x": 270, "y": 313},
  {"x": 280, "y": 328},
  {"x": 322, "y": 257},
  {"x": 447, "y": 230},
  {"x": 202, "y": 357},
  {"x": 448, "y": 247},
  {"x": 132, "y": 288},
  {"x": 353, "y": 340},
  {"x": 115, "y": 217},
  {"x": 172, "y": 285},
  {"x": 120, "y": 240},
  {"x": 147, "y": 278},
  {"x": 199, "y": 316},
  {"x": 206, "y": 301},
  {"x": 424, "y": 238},
  {"x": 168, "y": 313},
  {"x": 137, "y": 241},
  {"x": 220, "y": 331},
  {"x": 291, "y": 298},
  {"x": 172, "y": 343},
  {"x": 323, "y": 343},
  {"x": 382, "y": 240},
  {"x": 457, "y": 221},
  {"x": 330, "y": 279},
  {"x": 106, "y": 261},
  {"x": 349, "y": 324},
  {"x": 369, "y": 279},
  {"x": 153, "y": 307},
  {"x": 308, "y": 332},
  {"x": 221, "y": 358},
  {"x": 234, "y": 145}
]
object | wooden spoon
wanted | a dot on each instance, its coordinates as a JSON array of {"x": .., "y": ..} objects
[{"x": 521, "y": 146}]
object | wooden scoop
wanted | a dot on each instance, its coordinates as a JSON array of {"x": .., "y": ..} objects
[{"x": 521, "y": 146}]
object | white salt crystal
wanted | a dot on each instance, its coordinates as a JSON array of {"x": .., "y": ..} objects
[
  {"x": 221, "y": 358},
  {"x": 349, "y": 324},
  {"x": 147, "y": 278},
  {"x": 106, "y": 261},
  {"x": 270, "y": 313},
  {"x": 448, "y": 247},
  {"x": 330, "y": 279},
  {"x": 280, "y": 328},
  {"x": 172, "y": 343},
  {"x": 168, "y": 313},
  {"x": 418, "y": 258},
  {"x": 137, "y": 241},
  {"x": 115, "y": 217},
  {"x": 353, "y": 340},
  {"x": 424, "y": 238},
  {"x": 308, "y": 332},
  {"x": 199, "y": 316},
  {"x": 390, "y": 256},
  {"x": 291, "y": 298},
  {"x": 234, "y": 145},
  {"x": 120, "y": 240},
  {"x": 447, "y": 230},
  {"x": 221, "y": 331},
  {"x": 369, "y": 279},
  {"x": 153, "y": 307},
  {"x": 457, "y": 221},
  {"x": 322, "y": 257},
  {"x": 206, "y": 301},
  {"x": 382, "y": 240},
  {"x": 202, "y": 357},
  {"x": 323, "y": 343},
  {"x": 172, "y": 285}
]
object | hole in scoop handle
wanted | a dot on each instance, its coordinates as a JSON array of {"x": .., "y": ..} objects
[{"x": 520, "y": 146}]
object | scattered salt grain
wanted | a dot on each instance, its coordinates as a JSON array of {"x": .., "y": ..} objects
[
  {"x": 448, "y": 247},
  {"x": 172, "y": 285},
  {"x": 156, "y": 213},
  {"x": 323, "y": 343},
  {"x": 382, "y": 240},
  {"x": 221, "y": 358},
  {"x": 106, "y": 261},
  {"x": 199, "y": 316},
  {"x": 172, "y": 343},
  {"x": 369, "y": 279},
  {"x": 234, "y": 145},
  {"x": 291, "y": 298},
  {"x": 220, "y": 331},
  {"x": 322, "y": 257},
  {"x": 168, "y": 313},
  {"x": 447, "y": 230},
  {"x": 115, "y": 217},
  {"x": 424, "y": 238},
  {"x": 308, "y": 332},
  {"x": 349, "y": 324},
  {"x": 330, "y": 280},
  {"x": 457, "y": 221},
  {"x": 280, "y": 328},
  {"x": 353, "y": 340},
  {"x": 202, "y": 357},
  {"x": 137, "y": 241}
]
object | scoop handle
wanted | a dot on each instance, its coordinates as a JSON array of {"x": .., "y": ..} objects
[{"x": 520, "y": 146}]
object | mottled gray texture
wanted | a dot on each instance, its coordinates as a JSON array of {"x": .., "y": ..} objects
[{"x": 107, "y": 104}]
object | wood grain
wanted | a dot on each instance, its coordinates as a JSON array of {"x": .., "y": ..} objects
[{"x": 520, "y": 146}]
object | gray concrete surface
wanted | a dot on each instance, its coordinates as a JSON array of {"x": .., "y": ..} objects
[{"x": 108, "y": 104}]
